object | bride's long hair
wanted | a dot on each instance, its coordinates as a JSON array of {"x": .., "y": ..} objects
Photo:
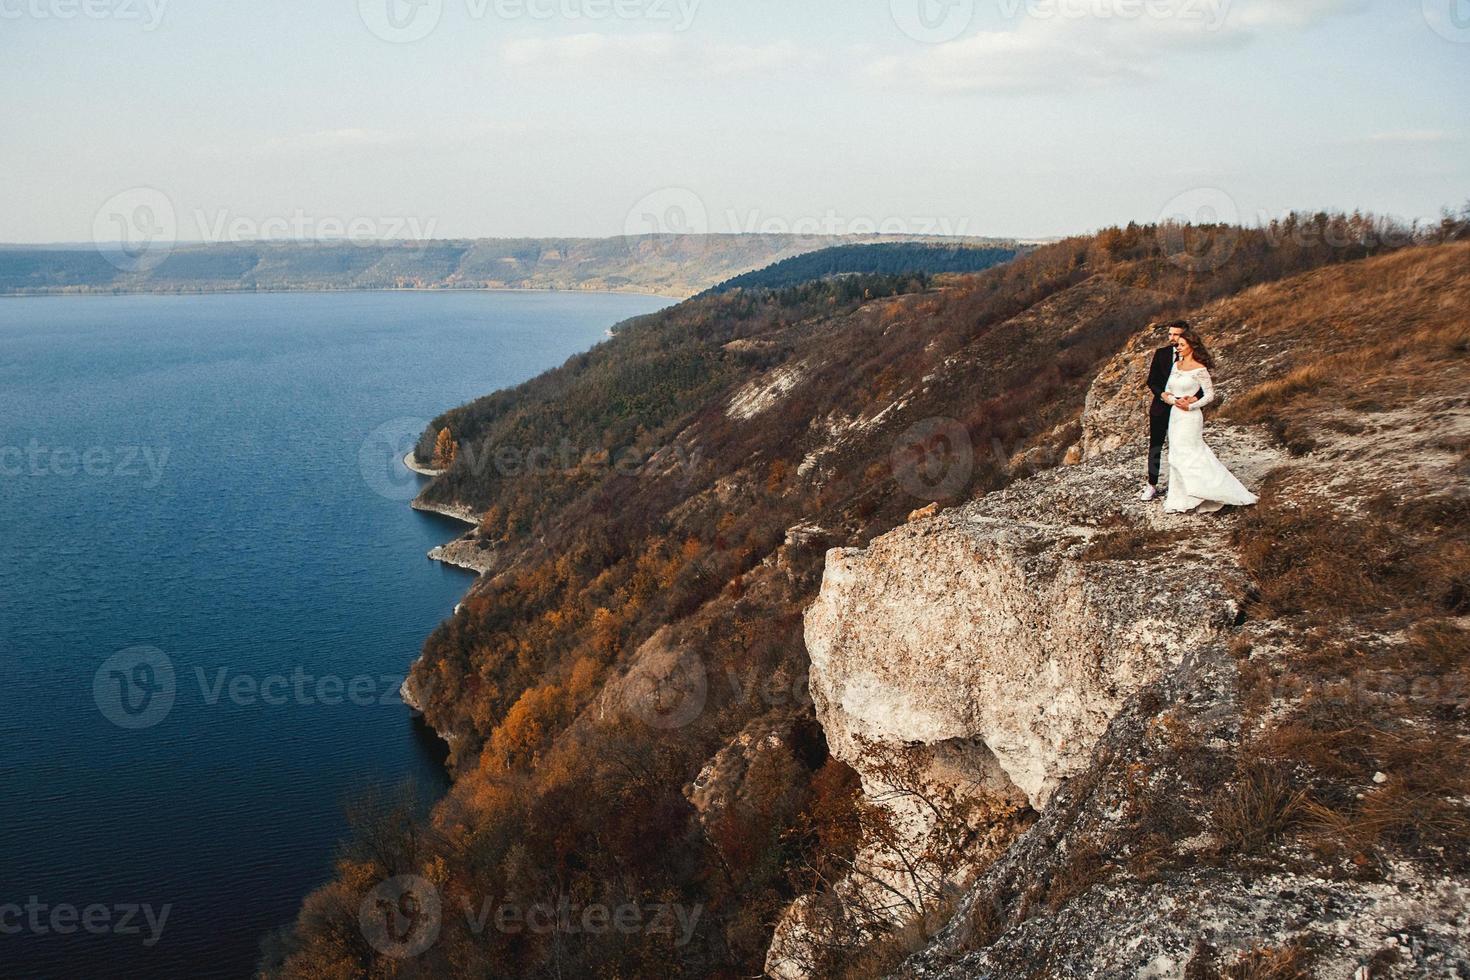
[{"x": 1198, "y": 349}]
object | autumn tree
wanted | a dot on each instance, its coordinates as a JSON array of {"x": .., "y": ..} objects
[
  {"x": 606, "y": 633},
  {"x": 776, "y": 476},
  {"x": 527, "y": 727},
  {"x": 445, "y": 450},
  {"x": 492, "y": 522}
]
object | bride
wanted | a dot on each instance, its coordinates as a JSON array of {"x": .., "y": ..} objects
[{"x": 1197, "y": 480}]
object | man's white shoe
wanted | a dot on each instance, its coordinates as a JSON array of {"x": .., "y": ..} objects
[{"x": 1148, "y": 492}]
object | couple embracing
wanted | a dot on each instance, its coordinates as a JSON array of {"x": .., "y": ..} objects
[{"x": 1179, "y": 378}]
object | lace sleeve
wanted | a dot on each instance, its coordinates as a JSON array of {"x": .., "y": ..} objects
[{"x": 1208, "y": 395}]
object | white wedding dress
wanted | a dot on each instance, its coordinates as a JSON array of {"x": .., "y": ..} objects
[{"x": 1197, "y": 480}]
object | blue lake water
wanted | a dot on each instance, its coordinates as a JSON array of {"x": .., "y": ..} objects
[{"x": 210, "y": 587}]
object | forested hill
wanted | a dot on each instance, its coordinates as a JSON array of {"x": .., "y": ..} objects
[
  {"x": 670, "y": 265},
  {"x": 887, "y": 258}
]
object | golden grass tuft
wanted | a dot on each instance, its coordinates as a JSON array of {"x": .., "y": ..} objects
[
  {"x": 1290, "y": 962},
  {"x": 1256, "y": 809},
  {"x": 1254, "y": 404}
]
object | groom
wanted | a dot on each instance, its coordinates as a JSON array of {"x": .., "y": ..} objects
[{"x": 1158, "y": 409}]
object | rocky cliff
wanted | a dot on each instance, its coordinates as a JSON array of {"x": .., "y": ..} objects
[
  {"x": 1046, "y": 732},
  {"x": 1120, "y": 669},
  {"x": 1006, "y": 635}
]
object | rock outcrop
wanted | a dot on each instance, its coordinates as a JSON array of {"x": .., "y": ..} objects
[
  {"x": 1076, "y": 896},
  {"x": 998, "y": 640},
  {"x": 1007, "y": 632},
  {"x": 1095, "y": 655},
  {"x": 469, "y": 551}
]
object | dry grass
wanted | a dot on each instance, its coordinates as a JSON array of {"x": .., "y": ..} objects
[
  {"x": 1443, "y": 648},
  {"x": 1313, "y": 557},
  {"x": 1390, "y": 814},
  {"x": 1369, "y": 669},
  {"x": 985, "y": 923},
  {"x": 885, "y": 955},
  {"x": 1389, "y": 368},
  {"x": 1395, "y": 709},
  {"x": 1289, "y": 962},
  {"x": 1301, "y": 561},
  {"x": 1256, "y": 808},
  {"x": 1085, "y": 868},
  {"x": 1129, "y": 543},
  {"x": 1418, "y": 808},
  {"x": 1361, "y": 336},
  {"x": 1302, "y": 381}
]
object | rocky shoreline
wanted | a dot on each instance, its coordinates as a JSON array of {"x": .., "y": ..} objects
[
  {"x": 465, "y": 551},
  {"x": 462, "y": 552}
]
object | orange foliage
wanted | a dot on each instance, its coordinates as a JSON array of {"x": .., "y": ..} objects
[
  {"x": 527, "y": 727},
  {"x": 445, "y": 450},
  {"x": 776, "y": 476},
  {"x": 586, "y": 675},
  {"x": 606, "y": 633}
]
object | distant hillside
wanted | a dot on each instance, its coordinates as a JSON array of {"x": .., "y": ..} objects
[
  {"x": 887, "y": 258},
  {"x": 671, "y": 265}
]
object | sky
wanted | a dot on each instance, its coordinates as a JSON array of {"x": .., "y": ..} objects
[{"x": 240, "y": 119}]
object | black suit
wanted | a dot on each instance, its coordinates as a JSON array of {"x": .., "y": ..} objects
[{"x": 1158, "y": 409}]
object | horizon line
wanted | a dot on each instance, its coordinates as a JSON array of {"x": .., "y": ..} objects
[{"x": 348, "y": 240}]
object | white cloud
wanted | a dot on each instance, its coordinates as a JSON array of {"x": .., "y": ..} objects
[
  {"x": 998, "y": 61},
  {"x": 651, "y": 55},
  {"x": 1052, "y": 44}
]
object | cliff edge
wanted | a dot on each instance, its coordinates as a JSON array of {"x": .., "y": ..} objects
[{"x": 1243, "y": 736}]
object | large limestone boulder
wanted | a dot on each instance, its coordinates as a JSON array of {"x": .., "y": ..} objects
[
  {"x": 1007, "y": 623},
  {"x": 993, "y": 644}
]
